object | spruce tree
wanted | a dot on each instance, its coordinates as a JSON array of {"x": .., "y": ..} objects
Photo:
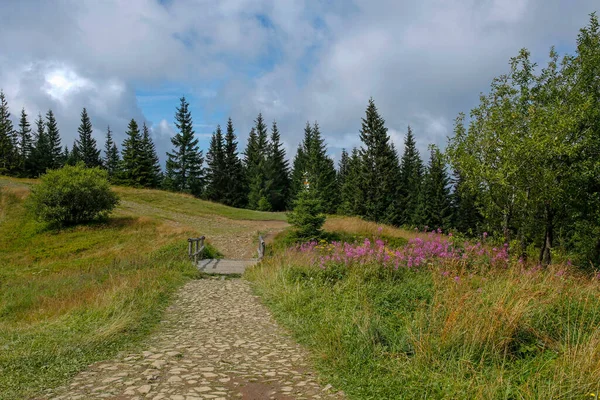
[
  {"x": 299, "y": 165},
  {"x": 343, "y": 168},
  {"x": 216, "y": 172},
  {"x": 184, "y": 165},
  {"x": 86, "y": 144},
  {"x": 55, "y": 156},
  {"x": 351, "y": 195},
  {"x": 466, "y": 217},
  {"x": 234, "y": 179},
  {"x": 74, "y": 155},
  {"x": 150, "y": 172},
  {"x": 278, "y": 172},
  {"x": 411, "y": 177},
  {"x": 8, "y": 160},
  {"x": 256, "y": 167},
  {"x": 111, "y": 160},
  {"x": 41, "y": 158},
  {"x": 26, "y": 168},
  {"x": 436, "y": 201},
  {"x": 131, "y": 165},
  {"x": 380, "y": 169}
]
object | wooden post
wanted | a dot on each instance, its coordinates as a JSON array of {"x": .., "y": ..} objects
[{"x": 190, "y": 248}]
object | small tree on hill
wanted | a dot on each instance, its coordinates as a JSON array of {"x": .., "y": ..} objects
[{"x": 307, "y": 217}]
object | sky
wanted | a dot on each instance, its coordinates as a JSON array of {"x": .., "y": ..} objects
[{"x": 295, "y": 61}]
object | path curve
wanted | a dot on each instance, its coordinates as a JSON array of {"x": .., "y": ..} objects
[{"x": 217, "y": 342}]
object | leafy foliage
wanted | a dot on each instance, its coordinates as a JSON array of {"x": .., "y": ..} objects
[{"x": 72, "y": 195}]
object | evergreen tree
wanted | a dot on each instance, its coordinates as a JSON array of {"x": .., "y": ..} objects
[
  {"x": 67, "y": 156},
  {"x": 436, "y": 200},
  {"x": 466, "y": 217},
  {"x": 343, "y": 168},
  {"x": 111, "y": 160},
  {"x": 300, "y": 164},
  {"x": 8, "y": 160},
  {"x": 216, "y": 172},
  {"x": 307, "y": 215},
  {"x": 256, "y": 167},
  {"x": 131, "y": 165},
  {"x": 55, "y": 156},
  {"x": 41, "y": 159},
  {"x": 234, "y": 179},
  {"x": 411, "y": 177},
  {"x": 278, "y": 172},
  {"x": 184, "y": 165},
  {"x": 322, "y": 172},
  {"x": 150, "y": 172},
  {"x": 351, "y": 195},
  {"x": 380, "y": 169},
  {"x": 86, "y": 144},
  {"x": 26, "y": 168},
  {"x": 74, "y": 155}
]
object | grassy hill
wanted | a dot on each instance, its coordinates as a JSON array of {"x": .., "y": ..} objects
[{"x": 77, "y": 295}]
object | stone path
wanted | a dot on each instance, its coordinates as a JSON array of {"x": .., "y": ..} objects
[{"x": 218, "y": 342}]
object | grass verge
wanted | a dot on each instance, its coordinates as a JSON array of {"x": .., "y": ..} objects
[{"x": 440, "y": 331}]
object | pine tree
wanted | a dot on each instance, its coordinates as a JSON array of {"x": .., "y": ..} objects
[
  {"x": 131, "y": 165},
  {"x": 351, "y": 195},
  {"x": 184, "y": 165},
  {"x": 40, "y": 158},
  {"x": 150, "y": 172},
  {"x": 88, "y": 150},
  {"x": 411, "y": 177},
  {"x": 436, "y": 201},
  {"x": 467, "y": 218},
  {"x": 25, "y": 146},
  {"x": 55, "y": 156},
  {"x": 216, "y": 172},
  {"x": 380, "y": 169},
  {"x": 74, "y": 155},
  {"x": 66, "y": 155},
  {"x": 343, "y": 168},
  {"x": 300, "y": 164},
  {"x": 234, "y": 179},
  {"x": 8, "y": 160},
  {"x": 256, "y": 167},
  {"x": 278, "y": 172},
  {"x": 111, "y": 160}
]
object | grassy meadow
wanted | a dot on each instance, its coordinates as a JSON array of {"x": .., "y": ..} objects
[
  {"x": 457, "y": 324},
  {"x": 73, "y": 296}
]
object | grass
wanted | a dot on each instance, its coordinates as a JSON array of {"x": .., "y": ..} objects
[
  {"x": 440, "y": 331},
  {"x": 74, "y": 296}
]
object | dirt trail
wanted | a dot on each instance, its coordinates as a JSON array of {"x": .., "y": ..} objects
[{"x": 217, "y": 342}]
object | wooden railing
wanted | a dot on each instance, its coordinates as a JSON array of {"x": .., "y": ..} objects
[
  {"x": 195, "y": 248},
  {"x": 261, "y": 247}
]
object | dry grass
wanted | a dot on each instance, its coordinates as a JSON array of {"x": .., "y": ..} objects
[{"x": 355, "y": 225}]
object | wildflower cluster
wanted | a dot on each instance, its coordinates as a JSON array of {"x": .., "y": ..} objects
[{"x": 418, "y": 252}]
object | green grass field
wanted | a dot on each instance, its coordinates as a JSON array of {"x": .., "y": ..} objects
[{"x": 74, "y": 296}]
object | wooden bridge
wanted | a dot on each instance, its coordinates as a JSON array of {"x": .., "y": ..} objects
[{"x": 220, "y": 266}]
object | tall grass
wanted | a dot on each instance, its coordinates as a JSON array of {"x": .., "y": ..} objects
[
  {"x": 477, "y": 326},
  {"x": 74, "y": 296}
]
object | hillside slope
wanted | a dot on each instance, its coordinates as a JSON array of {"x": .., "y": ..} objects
[{"x": 70, "y": 297}]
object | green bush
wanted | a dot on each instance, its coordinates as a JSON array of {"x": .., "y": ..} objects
[{"x": 72, "y": 195}]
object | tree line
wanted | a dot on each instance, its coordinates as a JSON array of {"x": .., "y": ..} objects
[{"x": 525, "y": 166}]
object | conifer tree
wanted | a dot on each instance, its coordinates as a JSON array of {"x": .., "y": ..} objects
[
  {"x": 150, "y": 171},
  {"x": 25, "y": 146},
  {"x": 351, "y": 196},
  {"x": 184, "y": 165},
  {"x": 234, "y": 179},
  {"x": 380, "y": 169},
  {"x": 278, "y": 172},
  {"x": 111, "y": 160},
  {"x": 343, "y": 168},
  {"x": 411, "y": 177},
  {"x": 8, "y": 152},
  {"x": 256, "y": 167},
  {"x": 216, "y": 172},
  {"x": 467, "y": 218},
  {"x": 55, "y": 156},
  {"x": 436, "y": 201},
  {"x": 299, "y": 165},
  {"x": 86, "y": 144},
  {"x": 74, "y": 155},
  {"x": 131, "y": 165},
  {"x": 41, "y": 160}
]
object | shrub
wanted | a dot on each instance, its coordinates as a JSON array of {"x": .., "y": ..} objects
[{"x": 72, "y": 195}]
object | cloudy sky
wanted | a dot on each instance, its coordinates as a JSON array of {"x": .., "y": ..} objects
[{"x": 293, "y": 60}]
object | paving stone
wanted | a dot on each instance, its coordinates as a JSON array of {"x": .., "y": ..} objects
[{"x": 217, "y": 341}]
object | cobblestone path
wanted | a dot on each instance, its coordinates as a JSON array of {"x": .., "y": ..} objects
[{"x": 217, "y": 342}]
